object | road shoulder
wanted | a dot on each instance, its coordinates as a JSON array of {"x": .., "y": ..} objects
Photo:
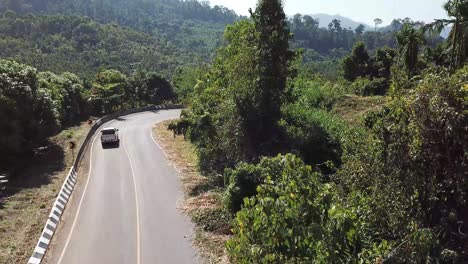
[
  {"x": 64, "y": 228},
  {"x": 202, "y": 203}
]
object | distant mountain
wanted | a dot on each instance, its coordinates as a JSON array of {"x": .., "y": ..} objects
[{"x": 347, "y": 23}]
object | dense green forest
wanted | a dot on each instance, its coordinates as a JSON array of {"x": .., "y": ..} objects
[
  {"x": 77, "y": 44},
  {"x": 86, "y": 36},
  {"x": 300, "y": 182},
  {"x": 190, "y": 24},
  {"x": 303, "y": 185}
]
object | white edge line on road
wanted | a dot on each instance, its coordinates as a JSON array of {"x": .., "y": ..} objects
[
  {"x": 136, "y": 201},
  {"x": 82, "y": 197},
  {"x": 164, "y": 152}
]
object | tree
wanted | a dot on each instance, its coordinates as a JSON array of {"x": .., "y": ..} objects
[
  {"x": 274, "y": 58},
  {"x": 159, "y": 89},
  {"x": 108, "y": 92},
  {"x": 185, "y": 79},
  {"x": 10, "y": 136},
  {"x": 383, "y": 62},
  {"x": 409, "y": 40},
  {"x": 28, "y": 113},
  {"x": 360, "y": 29},
  {"x": 297, "y": 22},
  {"x": 396, "y": 24},
  {"x": 414, "y": 161},
  {"x": 336, "y": 26},
  {"x": 236, "y": 107},
  {"x": 377, "y": 22},
  {"x": 310, "y": 23},
  {"x": 457, "y": 44},
  {"x": 356, "y": 65}
]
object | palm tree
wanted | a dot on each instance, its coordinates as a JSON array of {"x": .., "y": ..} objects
[
  {"x": 457, "y": 43},
  {"x": 409, "y": 40}
]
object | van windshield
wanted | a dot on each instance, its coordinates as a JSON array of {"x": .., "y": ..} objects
[{"x": 108, "y": 132}]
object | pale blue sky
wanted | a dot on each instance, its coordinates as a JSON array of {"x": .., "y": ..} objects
[{"x": 358, "y": 10}]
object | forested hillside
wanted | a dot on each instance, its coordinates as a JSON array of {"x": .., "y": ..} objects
[
  {"x": 190, "y": 25},
  {"x": 80, "y": 45}
]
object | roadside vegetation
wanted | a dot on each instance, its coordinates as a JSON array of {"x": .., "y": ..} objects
[{"x": 365, "y": 167}]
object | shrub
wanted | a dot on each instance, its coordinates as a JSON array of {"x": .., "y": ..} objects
[
  {"x": 313, "y": 134},
  {"x": 365, "y": 87},
  {"x": 243, "y": 183},
  {"x": 295, "y": 218},
  {"x": 412, "y": 167},
  {"x": 316, "y": 92}
]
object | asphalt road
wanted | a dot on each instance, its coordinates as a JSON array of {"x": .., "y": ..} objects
[{"x": 127, "y": 210}]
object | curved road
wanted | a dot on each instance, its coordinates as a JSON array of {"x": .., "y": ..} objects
[{"x": 127, "y": 210}]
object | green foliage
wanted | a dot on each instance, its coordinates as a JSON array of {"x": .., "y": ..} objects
[
  {"x": 366, "y": 87},
  {"x": 370, "y": 75},
  {"x": 383, "y": 62},
  {"x": 113, "y": 91},
  {"x": 36, "y": 105},
  {"x": 414, "y": 162},
  {"x": 316, "y": 92},
  {"x": 314, "y": 134},
  {"x": 10, "y": 140},
  {"x": 357, "y": 64},
  {"x": 295, "y": 218},
  {"x": 243, "y": 183},
  {"x": 190, "y": 25},
  {"x": 308, "y": 35},
  {"x": 32, "y": 108},
  {"x": 260, "y": 110},
  {"x": 107, "y": 94},
  {"x": 184, "y": 81},
  {"x": 402, "y": 195},
  {"x": 409, "y": 41},
  {"x": 455, "y": 49},
  {"x": 67, "y": 92},
  {"x": 60, "y": 43},
  {"x": 234, "y": 114}
]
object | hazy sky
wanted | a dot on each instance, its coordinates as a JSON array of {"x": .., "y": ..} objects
[{"x": 358, "y": 10}]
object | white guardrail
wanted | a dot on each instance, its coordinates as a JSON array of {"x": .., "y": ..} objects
[{"x": 67, "y": 188}]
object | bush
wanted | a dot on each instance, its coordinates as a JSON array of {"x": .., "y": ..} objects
[
  {"x": 313, "y": 134},
  {"x": 412, "y": 168},
  {"x": 316, "y": 92},
  {"x": 243, "y": 183},
  {"x": 365, "y": 87},
  {"x": 295, "y": 218}
]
